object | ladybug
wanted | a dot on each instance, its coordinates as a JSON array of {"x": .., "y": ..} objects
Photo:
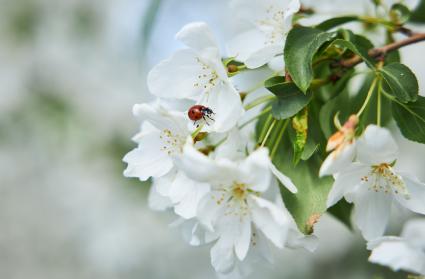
[{"x": 198, "y": 112}]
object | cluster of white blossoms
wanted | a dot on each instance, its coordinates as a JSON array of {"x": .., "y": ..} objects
[
  {"x": 364, "y": 175},
  {"x": 223, "y": 187}
]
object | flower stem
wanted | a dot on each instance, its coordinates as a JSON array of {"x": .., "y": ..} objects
[
  {"x": 259, "y": 101},
  {"x": 196, "y": 132},
  {"x": 265, "y": 111},
  {"x": 264, "y": 128},
  {"x": 279, "y": 138},
  {"x": 369, "y": 95},
  {"x": 379, "y": 104},
  {"x": 268, "y": 132}
]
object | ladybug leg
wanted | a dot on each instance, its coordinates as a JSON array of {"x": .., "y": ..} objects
[
  {"x": 209, "y": 117},
  {"x": 203, "y": 117}
]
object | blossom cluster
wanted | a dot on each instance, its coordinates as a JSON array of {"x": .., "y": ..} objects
[{"x": 206, "y": 166}]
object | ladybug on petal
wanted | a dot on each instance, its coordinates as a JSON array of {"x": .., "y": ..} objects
[{"x": 198, "y": 112}]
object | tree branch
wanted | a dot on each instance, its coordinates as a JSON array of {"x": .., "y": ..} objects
[{"x": 382, "y": 51}]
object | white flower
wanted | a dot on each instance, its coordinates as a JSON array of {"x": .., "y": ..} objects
[
  {"x": 162, "y": 136},
  {"x": 342, "y": 145},
  {"x": 269, "y": 22},
  {"x": 373, "y": 185},
  {"x": 198, "y": 73},
  {"x": 406, "y": 252},
  {"x": 236, "y": 208}
]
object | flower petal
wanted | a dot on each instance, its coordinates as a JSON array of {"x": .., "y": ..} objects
[
  {"x": 397, "y": 254},
  {"x": 157, "y": 201},
  {"x": 338, "y": 160},
  {"x": 245, "y": 44},
  {"x": 162, "y": 119},
  {"x": 346, "y": 181},
  {"x": 148, "y": 160},
  {"x": 222, "y": 254},
  {"x": 270, "y": 219},
  {"x": 416, "y": 190},
  {"x": 286, "y": 181},
  {"x": 244, "y": 239},
  {"x": 197, "y": 35},
  {"x": 263, "y": 55},
  {"x": 186, "y": 194},
  {"x": 209, "y": 211},
  {"x": 371, "y": 212},
  {"x": 255, "y": 172},
  {"x": 226, "y": 104},
  {"x": 177, "y": 76},
  {"x": 201, "y": 168},
  {"x": 376, "y": 146}
]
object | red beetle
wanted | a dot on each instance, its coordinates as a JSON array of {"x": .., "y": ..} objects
[{"x": 198, "y": 112}]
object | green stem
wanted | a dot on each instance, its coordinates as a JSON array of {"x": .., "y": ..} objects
[
  {"x": 265, "y": 111},
  {"x": 264, "y": 129},
  {"x": 369, "y": 95},
  {"x": 268, "y": 133},
  {"x": 259, "y": 101},
  {"x": 196, "y": 132},
  {"x": 379, "y": 104},
  {"x": 279, "y": 138}
]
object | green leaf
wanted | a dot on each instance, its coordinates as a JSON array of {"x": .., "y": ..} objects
[
  {"x": 310, "y": 202},
  {"x": 418, "y": 15},
  {"x": 290, "y": 100},
  {"x": 357, "y": 47},
  {"x": 410, "y": 119},
  {"x": 401, "y": 81},
  {"x": 301, "y": 45},
  {"x": 309, "y": 149},
  {"x": 399, "y": 14},
  {"x": 334, "y": 22},
  {"x": 300, "y": 125}
]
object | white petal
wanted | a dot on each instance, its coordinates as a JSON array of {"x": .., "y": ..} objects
[
  {"x": 345, "y": 182},
  {"x": 201, "y": 168},
  {"x": 376, "y": 146},
  {"x": 162, "y": 119},
  {"x": 209, "y": 211},
  {"x": 338, "y": 160},
  {"x": 286, "y": 181},
  {"x": 399, "y": 255},
  {"x": 186, "y": 194},
  {"x": 416, "y": 190},
  {"x": 263, "y": 55},
  {"x": 246, "y": 43},
  {"x": 197, "y": 35},
  {"x": 414, "y": 232},
  {"x": 177, "y": 76},
  {"x": 255, "y": 172},
  {"x": 233, "y": 147},
  {"x": 222, "y": 255},
  {"x": 293, "y": 7},
  {"x": 371, "y": 212},
  {"x": 244, "y": 239},
  {"x": 226, "y": 104},
  {"x": 277, "y": 64},
  {"x": 148, "y": 160},
  {"x": 156, "y": 201},
  {"x": 270, "y": 219}
]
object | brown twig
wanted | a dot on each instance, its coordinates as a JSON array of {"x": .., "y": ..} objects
[{"x": 382, "y": 51}]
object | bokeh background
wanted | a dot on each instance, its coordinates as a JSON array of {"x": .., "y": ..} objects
[{"x": 70, "y": 71}]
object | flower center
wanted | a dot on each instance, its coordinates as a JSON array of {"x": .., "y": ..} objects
[
  {"x": 171, "y": 144},
  {"x": 382, "y": 178},
  {"x": 235, "y": 199},
  {"x": 207, "y": 77}
]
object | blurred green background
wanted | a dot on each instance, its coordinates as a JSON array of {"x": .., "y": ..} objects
[{"x": 70, "y": 72}]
